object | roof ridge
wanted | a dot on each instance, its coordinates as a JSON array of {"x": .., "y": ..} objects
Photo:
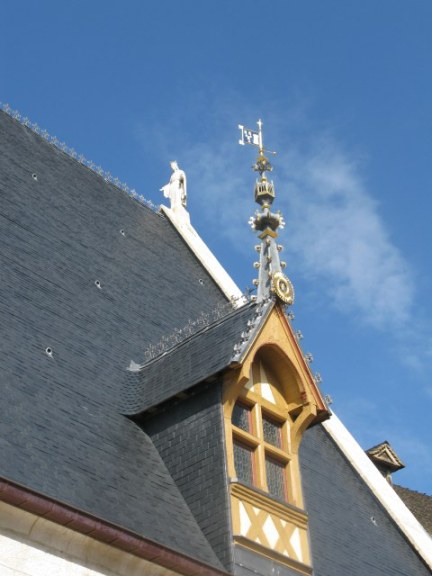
[
  {"x": 80, "y": 158},
  {"x": 412, "y": 490}
]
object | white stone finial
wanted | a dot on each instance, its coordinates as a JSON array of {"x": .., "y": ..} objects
[{"x": 176, "y": 189}]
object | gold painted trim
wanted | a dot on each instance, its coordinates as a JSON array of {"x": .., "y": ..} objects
[
  {"x": 273, "y": 555},
  {"x": 267, "y": 232},
  {"x": 297, "y": 404},
  {"x": 311, "y": 384},
  {"x": 274, "y": 409},
  {"x": 286, "y": 511},
  {"x": 276, "y": 334}
]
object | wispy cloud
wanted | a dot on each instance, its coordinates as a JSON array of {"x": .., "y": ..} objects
[{"x": 337, "y": 238}]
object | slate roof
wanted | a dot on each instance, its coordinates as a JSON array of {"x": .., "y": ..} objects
[
  {"x": 350, "y": 532},
  {"x": 61, "y": 433},
  {"x": 419, "y": 504},
  {"x": 202, "y": 355}
]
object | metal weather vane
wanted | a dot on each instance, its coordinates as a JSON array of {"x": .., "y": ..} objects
[
  {"x": 255, "y": 138},
  {"x": 271, "y": 280}
]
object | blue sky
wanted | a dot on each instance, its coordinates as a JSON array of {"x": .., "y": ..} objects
[{"x": 344, "y": 90}]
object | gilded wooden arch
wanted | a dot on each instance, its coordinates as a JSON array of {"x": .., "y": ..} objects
[{"x": 285, "y": 377}]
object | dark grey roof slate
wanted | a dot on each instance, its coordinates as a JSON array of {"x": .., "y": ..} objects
[
  {"x": 419, "y": 504},
  {"x": 202, "y": 355},
  {"x": 350, "y": 532},
  {"x": 61, "y": 432}
]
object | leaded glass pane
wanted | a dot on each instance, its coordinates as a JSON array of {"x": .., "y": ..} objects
[
  {"x": 241, "y": 417},
  {"x": 272, "y": 432},
  {"x": 275, "y": 478},
  {"x": 243, "y": 463}
]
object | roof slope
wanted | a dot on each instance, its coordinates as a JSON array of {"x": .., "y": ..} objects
[
  {"x": 60, "y": 428},
  {"x": 202, "y": 355},
  {"x": 419, "y": 504},
  {"x": 350, "y": 531}
]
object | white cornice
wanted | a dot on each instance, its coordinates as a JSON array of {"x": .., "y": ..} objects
[{"x": 404, "y": 519}]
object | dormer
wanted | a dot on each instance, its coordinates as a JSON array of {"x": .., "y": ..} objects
[
  {"x": 385, "y": 459},
  {"x": 268, "y": 401}
]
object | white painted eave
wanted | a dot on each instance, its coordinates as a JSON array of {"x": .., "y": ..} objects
[
  {"x": 395, "y": 507},
  {"x": 181, "y": 222}
]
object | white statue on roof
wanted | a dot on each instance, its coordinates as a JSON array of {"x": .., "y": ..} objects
[{"x": 176, "y": 189}]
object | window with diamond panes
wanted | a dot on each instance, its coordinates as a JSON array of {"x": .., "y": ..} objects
[
  {"x": 243, "y": 462},
  {"x": 272, "y": 431},
  {"x": 275, "y": 472},
  {"x": 242, "y": 417},
  {"x": 260, "y": 445}
]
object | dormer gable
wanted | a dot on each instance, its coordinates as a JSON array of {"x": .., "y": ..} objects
[
  {"x": 269, "y": 399},
  {"x": 385, "y": 459}
]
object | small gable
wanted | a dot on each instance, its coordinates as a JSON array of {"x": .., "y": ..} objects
[{"x": 384, "y": 457}]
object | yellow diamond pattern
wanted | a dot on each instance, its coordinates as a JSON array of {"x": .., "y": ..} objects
[{"x": 270, "y": 531}]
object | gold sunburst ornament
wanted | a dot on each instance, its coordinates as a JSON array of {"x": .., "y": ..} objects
[{"x": 283, "y": 288}]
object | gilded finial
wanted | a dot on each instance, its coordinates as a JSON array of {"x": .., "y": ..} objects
[
  {"x": 271, "y": 280},
  {"x": 264, "y": 190}
]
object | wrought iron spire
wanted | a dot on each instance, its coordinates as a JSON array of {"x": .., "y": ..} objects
[{"x": 271, "y": 281}]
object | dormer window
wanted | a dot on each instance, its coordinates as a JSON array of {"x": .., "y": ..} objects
[
  {"x": 261, "y": 419},
  {"x": 269, "y": 399}
]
